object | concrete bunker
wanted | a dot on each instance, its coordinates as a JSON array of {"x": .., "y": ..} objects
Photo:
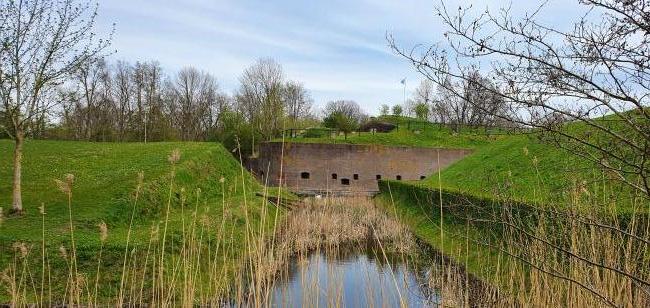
[{"x": 311, "y": 168}]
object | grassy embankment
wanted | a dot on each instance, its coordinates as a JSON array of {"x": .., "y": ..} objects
[
  {"x": 206, "y": 182},
  {"x": 521, "y": 213},
  {"x": 517, "y": 170}
]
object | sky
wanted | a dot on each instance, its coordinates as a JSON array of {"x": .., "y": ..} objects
[{"x": 336, "y": 48}]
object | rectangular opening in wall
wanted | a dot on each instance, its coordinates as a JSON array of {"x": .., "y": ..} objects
[
  {"x": 378, "y": 176},
  {"x": 399, "y": 177},
  {"x": 334, "y": 176},
  {"x": 422, "y": 177},
  {"x": 355, "y": 176},
  {"x": 345, "y": 181},
  {"x": 304, "y": 175}
]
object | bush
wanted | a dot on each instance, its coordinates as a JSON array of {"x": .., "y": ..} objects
[{"x": 317, "y": 133}]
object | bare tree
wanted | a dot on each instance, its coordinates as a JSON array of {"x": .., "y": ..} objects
[
  {"x": 384, "y": 110},
  {"x": 348, "y": 108},
  {"x": 259, "y": 97},
  {"x": 425, "y": 92},
  {"x": 424, "y": 95},
  {"x": 41, "y": 43},
  {"x": 140, "y": 108},
  {"x": 549, "y": 78},
  {"x": 297, "y": 99},
  {"x": 466, "y": 102},
  {"x": 125, "y": 102},
  {"x": 149, "y": 120},
  {"x": 409, "y": 107},
  {"x": 90, "y": 78},
  {"x": 123, "y": 92},
  {"x": 218, "y": 109},
  {"x": 195, "y": 94},
  {"x": 156, "y": 124}
]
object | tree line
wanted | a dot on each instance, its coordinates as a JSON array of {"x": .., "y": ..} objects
[
  {"x": 55, "y": 83},
  {"x": 123, "y": 101},
  {"x": 474, "y": 106}
]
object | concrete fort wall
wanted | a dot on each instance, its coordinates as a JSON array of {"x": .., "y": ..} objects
[{"x": 347, "y": 168}]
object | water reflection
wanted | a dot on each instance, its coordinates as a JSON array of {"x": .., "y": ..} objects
[{"x": 355, "y": 278}]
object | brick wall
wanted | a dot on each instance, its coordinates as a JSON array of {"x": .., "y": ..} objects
[{"x": 347, "y": 168}]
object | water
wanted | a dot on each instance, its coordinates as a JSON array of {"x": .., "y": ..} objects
[{"x": 355, "y": 279}]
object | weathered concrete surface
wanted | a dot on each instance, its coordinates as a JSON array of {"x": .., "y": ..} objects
[{"x": 329, "y": 166}]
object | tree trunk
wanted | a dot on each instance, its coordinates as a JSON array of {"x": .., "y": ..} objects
[{"x": 17, "y": 204}]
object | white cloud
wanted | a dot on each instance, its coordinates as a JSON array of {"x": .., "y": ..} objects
[{"x": 337, "y": 48}]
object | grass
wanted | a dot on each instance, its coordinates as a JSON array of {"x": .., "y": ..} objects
[
  {"x": 552, "y": 258},
  {"x": 105, "y": 178},
  {"x": 533, "y": 171},
  {"x": 430, "y": 135},
  {"x": 186, "y": 249},
  {"x": 452, "y": 238},
  {"x": 575, "y": 228},
  {"x": 205, "y": 179},
  {"x": 202, "y": 236}
]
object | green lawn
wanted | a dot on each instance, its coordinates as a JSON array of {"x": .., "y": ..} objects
[
  {"x": 105, "y": 181},
  {"x": 519, "y": 166},
  {"x": 420, "y": 135}
]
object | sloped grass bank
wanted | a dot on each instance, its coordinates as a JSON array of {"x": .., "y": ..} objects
[
  {"x": 521, "y": 165},
  {"x": 578, "y": 255},
  {"x": 451, "y": 232},
  {"x": 198, "y": 203},
  {"x": 105, "y": 181}
]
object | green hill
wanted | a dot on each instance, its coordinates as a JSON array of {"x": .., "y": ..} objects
[
  {"x": 502, "y": 167},
  {"x": 520, "y": 166},
  {"x": 105, "y": 180},
  {"x": 206, "y": 187}
]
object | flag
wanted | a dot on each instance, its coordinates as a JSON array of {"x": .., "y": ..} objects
[{"x": 403, "y": 81}]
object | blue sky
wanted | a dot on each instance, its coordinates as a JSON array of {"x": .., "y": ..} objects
[{"x": 336, "y": 48}]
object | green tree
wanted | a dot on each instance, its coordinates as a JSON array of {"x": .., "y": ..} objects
[
  {"x": 41, "y": 44},
  {"x": 342, "y": 122},
  {"x": 236, "y": 134},
  {"x": 422, "y": 111},
  {"x": 397, "y": 110}
]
